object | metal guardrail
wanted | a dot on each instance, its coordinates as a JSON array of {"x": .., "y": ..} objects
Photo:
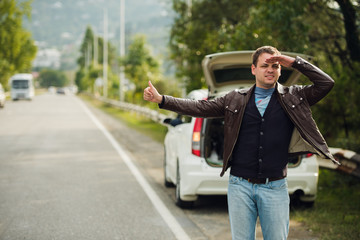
[
  {"x": 350, "y": 161},
  {"x": 149, "y": 113}
]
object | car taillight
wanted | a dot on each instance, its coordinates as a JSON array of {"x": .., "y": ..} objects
[
  {"x": 308, "y": 155},
  {"x": 196, "y": 137}
]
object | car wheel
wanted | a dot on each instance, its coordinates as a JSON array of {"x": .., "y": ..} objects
[
  {"x": 308, "y": 204},
  {"x": 179, "y": 201},
  {"x": 167, "y": 183},
  {"x": 296, "y": 202}
]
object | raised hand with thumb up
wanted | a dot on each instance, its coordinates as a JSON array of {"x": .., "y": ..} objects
[{"x": 151, "y": 94}]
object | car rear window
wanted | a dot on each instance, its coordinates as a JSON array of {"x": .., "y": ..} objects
[
  {"x": 236, "y": 74},
  {"x": 294, "y": 161}
]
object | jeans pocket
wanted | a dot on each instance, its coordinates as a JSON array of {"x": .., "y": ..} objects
[
  {"x": 278, "y": 184},
  {"x": 234, "y": 179}
]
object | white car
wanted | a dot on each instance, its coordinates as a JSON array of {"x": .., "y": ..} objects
[
  {"x": 2, "y": 96},
  {"x": 194, "y": 146}
]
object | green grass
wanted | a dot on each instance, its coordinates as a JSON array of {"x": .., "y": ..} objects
[
  {"x": 39, "y": 91},
  {"x": 336, "y": 213},
  {"x": 140, "y": 123}
]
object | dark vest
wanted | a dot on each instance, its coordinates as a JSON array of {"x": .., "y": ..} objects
[{"x": 261, "y": 150}]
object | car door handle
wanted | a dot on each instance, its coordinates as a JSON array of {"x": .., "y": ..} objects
[{"x": 179, "y": 130}]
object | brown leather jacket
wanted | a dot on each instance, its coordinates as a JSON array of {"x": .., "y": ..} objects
[{"x": 296, "y": 101}]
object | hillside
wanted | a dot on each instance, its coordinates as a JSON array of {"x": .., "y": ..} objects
[{"x": 62, "y": 23}]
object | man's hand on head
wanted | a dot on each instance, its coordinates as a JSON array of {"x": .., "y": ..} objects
[
  {"x": 283, "y": 60},
  {"x": 151, "y": 94}
]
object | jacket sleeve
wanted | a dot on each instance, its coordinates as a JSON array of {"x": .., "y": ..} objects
[
  {"x": 323, "y": 83},
  {"x": 195, "y": 108}
]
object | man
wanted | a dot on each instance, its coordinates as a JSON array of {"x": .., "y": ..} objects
[{"x": 262, "y": 126}]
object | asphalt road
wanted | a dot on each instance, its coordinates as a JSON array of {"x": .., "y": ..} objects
[
  {"x": 69, "y": 171},
  {"x": 61, "y": 178}
]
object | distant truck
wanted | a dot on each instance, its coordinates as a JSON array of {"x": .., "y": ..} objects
[{"x": 22, "y": 86}]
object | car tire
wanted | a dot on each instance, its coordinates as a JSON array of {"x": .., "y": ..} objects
[
  {"x": 296, "y": 202},
  {"x": 167, "y": 183},
  {"x": 179, "y": 202},
  {"x": 308, "y": 204}
]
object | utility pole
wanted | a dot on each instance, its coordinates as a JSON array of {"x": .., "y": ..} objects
[
  {"x": 95, "y": 60},
  {"x": 122, "y": 49},
  {"x": 105, "y": 54},
  {"x": 89, "y": 55}
]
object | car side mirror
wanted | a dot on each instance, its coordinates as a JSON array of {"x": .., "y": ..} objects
[
  {"x": 167, "y": 120},
  {"x": 173, "y": 122}
]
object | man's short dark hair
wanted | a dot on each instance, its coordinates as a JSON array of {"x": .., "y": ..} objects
[{"x": 265, "y": 49}]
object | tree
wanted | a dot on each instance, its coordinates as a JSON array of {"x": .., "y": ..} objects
[
  {"x": 140, "y": 66},
  {"x": 88, "y": 72},
  {"x": 306, "y": 26},
  {"x": 325, "y": 29},
  {"x": 204, "y": 27},
  {"x": 48, "y": 78},
  {"x": 331, "y": 44},
  {"x": 17, "y": 49},
  {"x": 348, "y": 11},
  {"x": 87, "y": 48}
]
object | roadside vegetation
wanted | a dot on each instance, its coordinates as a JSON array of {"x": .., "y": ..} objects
[
  {"x": 52, "y": 78},
  {"x": 336, "y": 212},
  {"x": 142, "y": 124},
  {"x": 17, "y": 48}
]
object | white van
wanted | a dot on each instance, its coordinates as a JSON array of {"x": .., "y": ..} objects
[{"x": 22, "y": 86}]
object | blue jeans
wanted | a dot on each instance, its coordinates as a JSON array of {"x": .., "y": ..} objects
[{"x": 269, "y": 201}]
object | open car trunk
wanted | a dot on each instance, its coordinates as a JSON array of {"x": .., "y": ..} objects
[
  {"x": 213, "y": 141},
  {"x": 231, "y": 70}
]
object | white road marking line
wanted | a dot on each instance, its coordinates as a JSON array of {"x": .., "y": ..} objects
[{"x": 154, "y": 198}]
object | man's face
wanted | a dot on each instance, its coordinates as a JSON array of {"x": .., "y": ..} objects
[{"x": 266, "y": 74}]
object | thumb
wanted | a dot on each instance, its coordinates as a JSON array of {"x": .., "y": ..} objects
[
  {"x": 155, "y": 96},
  {"x": 151, "y": 86}
]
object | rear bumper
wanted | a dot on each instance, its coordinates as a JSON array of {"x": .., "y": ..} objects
[
  {"x": 198, "y": 178},
  {"x": 303, "y": 180}
]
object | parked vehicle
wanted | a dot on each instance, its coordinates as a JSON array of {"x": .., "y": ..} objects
[
  {"x": 61, "y": 91},
  {"x": 2, "y": 96},
  {"x": 194, "y": 146},
  {"x": 22, "y": 86}
]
